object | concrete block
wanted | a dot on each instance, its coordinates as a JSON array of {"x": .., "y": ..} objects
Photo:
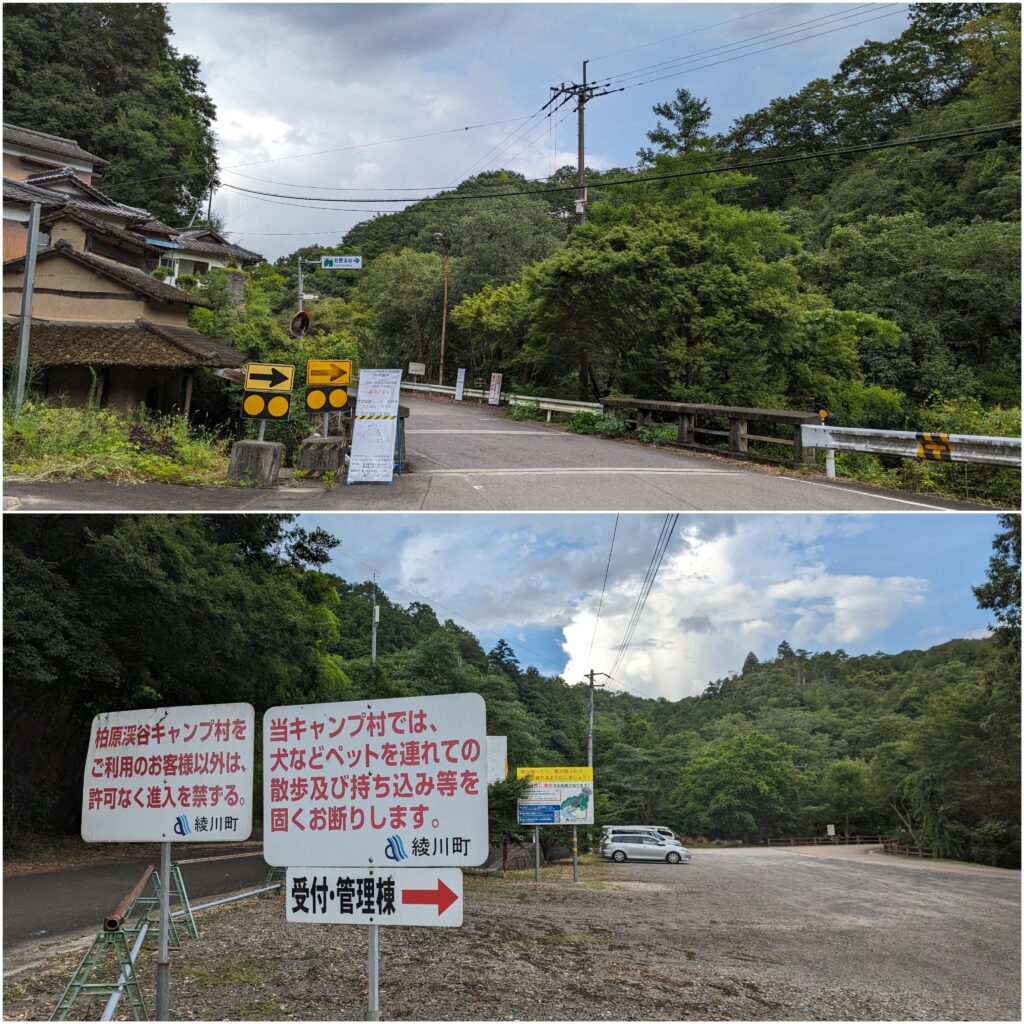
[
  {"x": 256, "y": 462},
  {"x": 319, "y": 455}
]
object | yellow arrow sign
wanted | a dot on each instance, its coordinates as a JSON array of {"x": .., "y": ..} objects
[
  {"x": 269, "y": 377},
  {"x": 329, "y": 371}
]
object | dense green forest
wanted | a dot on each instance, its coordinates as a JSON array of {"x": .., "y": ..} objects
[{"x": 115, "y": 612}]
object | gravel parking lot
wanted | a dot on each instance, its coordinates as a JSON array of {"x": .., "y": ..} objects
[{"x": 737, "y": 934}]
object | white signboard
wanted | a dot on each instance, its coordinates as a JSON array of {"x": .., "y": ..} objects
[
  {"x": 494, "y": 395},
  {"x": 417, "y": 369},
  {"x": 374, "y": 430},
  {"x": 401, "y": 781},
  {"x": 310, "y": 297},
  {"x": 180, "y": 775},
  {"x": 497, "y": 758},
  {"x": 830, "y": 830},
  {"x": 460, "y": 384},
  {"x": 341, "y": 262},
  {"x": 557, "y": 796},
  {"x": 421, "y": 897}
]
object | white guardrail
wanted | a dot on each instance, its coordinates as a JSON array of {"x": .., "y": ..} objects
[
  {"x": 936, "y": 447},
  {"x": 548, "y": 405}
]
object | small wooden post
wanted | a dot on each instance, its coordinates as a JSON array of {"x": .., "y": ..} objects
[
  {"x": 684, "y": 428},
  {"x": 737, "y": 435},
  {"x": 188, "y": 391}
]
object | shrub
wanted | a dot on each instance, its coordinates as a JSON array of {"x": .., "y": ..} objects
[{"x": 596, "y": 423}]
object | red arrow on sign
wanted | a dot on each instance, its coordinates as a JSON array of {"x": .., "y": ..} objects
[{"x": 442, "y": 896}]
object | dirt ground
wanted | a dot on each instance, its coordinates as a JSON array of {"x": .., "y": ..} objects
[{"x": 736, "y": 935}]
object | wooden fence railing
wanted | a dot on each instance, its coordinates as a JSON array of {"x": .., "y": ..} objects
[
  {"x": 905, "y": 850},
  {"x": 687, "y": 414},
  {"x": 827, "y": 841}
]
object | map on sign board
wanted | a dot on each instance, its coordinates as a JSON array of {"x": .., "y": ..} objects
[
  {"x": 421, "y": 897},
  {"x": 460, "y": 384},
  {"x": 494, "y": 394},
  {"x": 374, "y": 429},
  {"x": 401, "y": 781},
  {"x": 557, "y": 796},
  {"x": 178, "y": 775}
]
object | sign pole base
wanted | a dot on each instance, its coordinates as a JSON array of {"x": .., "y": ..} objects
[
  {"x": 163, "y": 967},
  {"x": 263, "y": 430},
  {"x": 373, "y": 965}
]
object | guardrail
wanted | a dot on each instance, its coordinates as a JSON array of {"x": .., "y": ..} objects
[
  {"x": 548, "y": 405},
  {"x": 935, "y": 447},
  {"x": 687, "y": 414},
  {"x": 828, "y": 841}
]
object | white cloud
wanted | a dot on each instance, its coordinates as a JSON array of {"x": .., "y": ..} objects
[{"x": 718, "y": 597}]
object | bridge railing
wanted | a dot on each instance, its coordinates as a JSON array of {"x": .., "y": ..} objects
[
  {"x": 689, "y": 415},
  {"x": 548, "y": 405},
  {"x": 935, "y": 447},
  {"x": 827, "y": 841}
]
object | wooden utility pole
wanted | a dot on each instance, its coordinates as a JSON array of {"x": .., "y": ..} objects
[{"x": 581, "y": 93}]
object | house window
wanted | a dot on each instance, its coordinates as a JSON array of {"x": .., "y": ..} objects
[
  {"x": 200, "y": 268},
  {"x": 167, "y": 261}
]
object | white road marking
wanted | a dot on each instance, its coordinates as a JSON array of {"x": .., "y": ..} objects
[
  {"x": 518, "y": 433},
  {"x": 868, "y": 494},
  {"x": 570, "y": 471}
]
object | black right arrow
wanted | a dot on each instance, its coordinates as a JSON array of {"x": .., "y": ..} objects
[{"x": 275, "y": 376}]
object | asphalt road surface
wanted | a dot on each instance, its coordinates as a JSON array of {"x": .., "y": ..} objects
[
  {"x": 473, "y": 458},
  {"x": 53, "y": 904}
]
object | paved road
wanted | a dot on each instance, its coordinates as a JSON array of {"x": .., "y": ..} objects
[
  {"x": 57, "y": 903},
  {"x": 470, "y": 458}
]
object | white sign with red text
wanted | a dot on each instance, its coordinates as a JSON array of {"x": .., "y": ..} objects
[
  {"x": 397, "y": 782},
  {"x": 420, "y": 897},
  {"x": 177, "y": 775}
]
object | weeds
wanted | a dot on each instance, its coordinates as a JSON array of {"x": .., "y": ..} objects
[{"x": 54, "y": 441}]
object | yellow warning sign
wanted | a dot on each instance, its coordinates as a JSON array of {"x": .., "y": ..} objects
[
  {"x": 937, "y": 447},
  {"x": 269, "y": 377},
  {"x": 326, "y": 399},
  {"x": 258, "y": 405},
  {"x": 329, "y": 371}
]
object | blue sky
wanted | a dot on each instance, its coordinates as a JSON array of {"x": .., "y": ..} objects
[
  {"x": 296, "y": 79},
  {"x": 728, "y": 584}
]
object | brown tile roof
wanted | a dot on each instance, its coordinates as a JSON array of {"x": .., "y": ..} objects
[
  {"x": 227, "y": 249},
  {"x": 140, "y": 282},
  {"x": 93, "y": 200},
  {"x": 142, "y": 343},
  {"x": 153, "y": 227},
  {"x": 70, "y": 212},
  {"x": 49, "y": 144}
]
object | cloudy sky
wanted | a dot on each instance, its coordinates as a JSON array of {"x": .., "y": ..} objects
[
  {"x": 728, "y": 584},
  {"x": 307, "y": 92}
]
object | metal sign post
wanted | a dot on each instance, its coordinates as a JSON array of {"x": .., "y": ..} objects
[
  {"x": 575, "y": 857},
  {"x": 442, "y": 829},
  {"x": 25, "y": 326},
  {"x": 163, "y": 964},
  {"x": 373, "y": 969},
  {"x": 536, "y": 853}
]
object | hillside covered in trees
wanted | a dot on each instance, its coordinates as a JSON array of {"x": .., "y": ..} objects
[{"x": 114, "y": 612}]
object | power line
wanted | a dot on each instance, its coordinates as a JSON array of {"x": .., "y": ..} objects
[
  {"x": 691, "y": 32},
  {"x": 339, "y": 149},
  {"x": 751, "y": 165},
  {"x": 661, "y": 546},
  {"x": 777, "y": 33},
  {"x": 600, "y": 605},
  {"x": 766, "y": 49}
]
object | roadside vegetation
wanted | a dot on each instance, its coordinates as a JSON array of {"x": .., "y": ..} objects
[
  {"x": 51, "y": 440},
  {"x": 923, "y": 746}
]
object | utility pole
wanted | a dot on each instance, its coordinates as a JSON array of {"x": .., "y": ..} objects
[
  {"x": 373, "y": 628},
  {"x": 298, "y": 260},
  {"x": 25, "y": 325},
  {"x": 581, "y": 93},
  {"x": 590, "y": 719}
]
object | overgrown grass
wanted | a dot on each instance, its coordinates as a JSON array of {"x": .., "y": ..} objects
[
  {"x": 51, "y": 440},
  {"x": 597, "y": 423}
]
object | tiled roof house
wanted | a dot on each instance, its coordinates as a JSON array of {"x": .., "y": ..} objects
[{"x": 95, "y": 308}]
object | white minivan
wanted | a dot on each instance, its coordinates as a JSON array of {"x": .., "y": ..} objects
[{"x": 661, "y": 831}]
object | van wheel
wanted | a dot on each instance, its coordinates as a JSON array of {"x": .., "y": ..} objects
[
  {"x": 673, "y": 858},
  {"x": 619, "y": 856}
]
